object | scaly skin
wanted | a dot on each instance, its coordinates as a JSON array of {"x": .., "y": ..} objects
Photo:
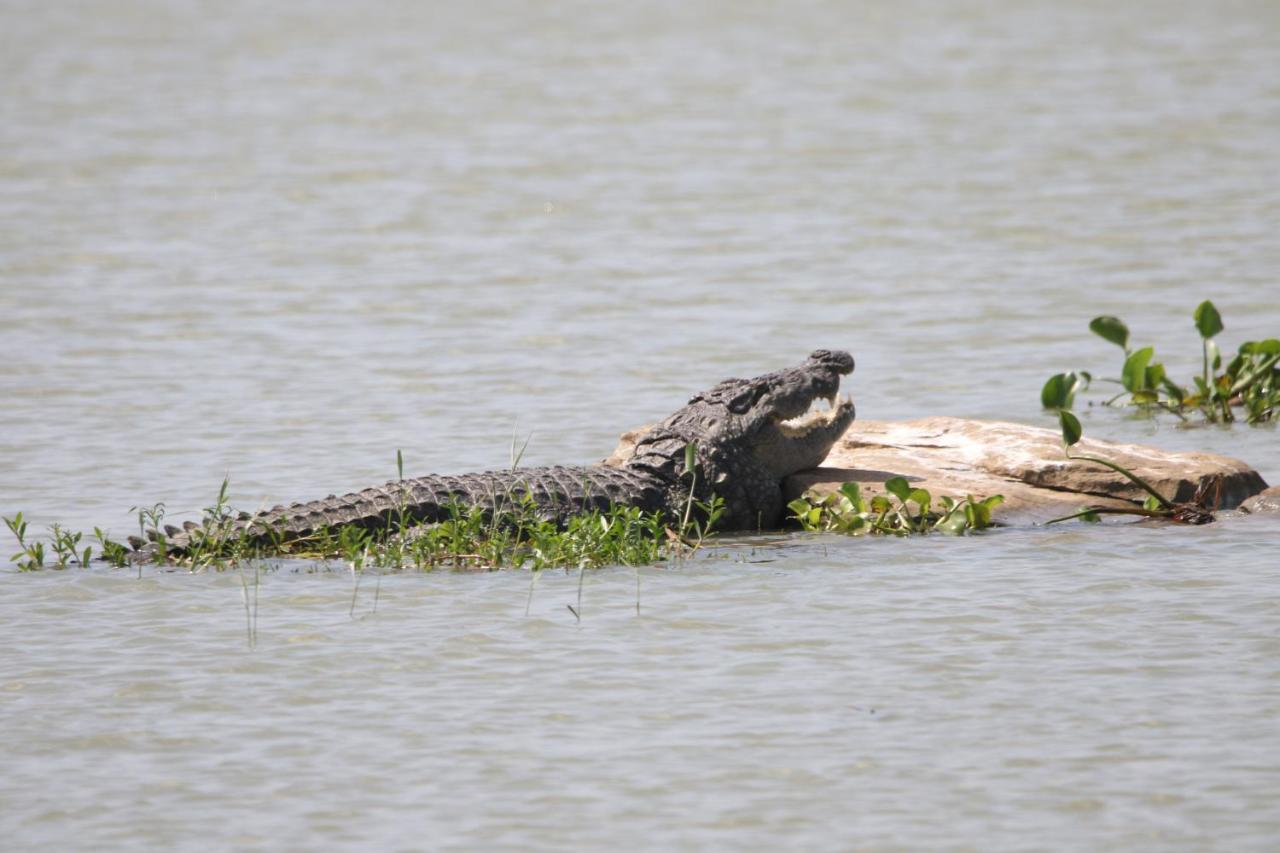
[{"x": 743, "y": 453}]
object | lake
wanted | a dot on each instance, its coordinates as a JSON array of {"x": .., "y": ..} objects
[{"x": 280, "y": 244}]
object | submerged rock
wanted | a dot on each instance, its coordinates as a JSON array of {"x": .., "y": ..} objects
[
  {"x": 958, "y": 457},
  {"x": 1268, "y": 500}
]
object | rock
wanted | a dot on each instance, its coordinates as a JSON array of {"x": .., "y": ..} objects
[
  {"x": 958, "y": 457},
  {"x": 1268, "y": 500}
]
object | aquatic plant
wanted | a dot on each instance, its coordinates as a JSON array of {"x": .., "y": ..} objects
[
  {"x": 847, "y": 511},
  {"x": 1195, "y": 511},
  {"x": 1249, "y": 382},
  {"x": 113, "y": 552},
  {"x": 30, "y": 555}
]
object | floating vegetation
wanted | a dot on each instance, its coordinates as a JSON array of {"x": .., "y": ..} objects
[
  {"x": 1247, "y": 386},
  {"x": 1198, "y": 510},
  {"x": 472, "y": 538},
  {"x": 847, "y": 511}
]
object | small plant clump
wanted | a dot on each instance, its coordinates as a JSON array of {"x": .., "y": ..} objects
[
  {"x": 847, "y": 511},
  {"x": 30, "y": 555},
  {"x": 1247, "y": 386}
]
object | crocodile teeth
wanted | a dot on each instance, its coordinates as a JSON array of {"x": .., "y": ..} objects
[{"x": 801, "y": 426}]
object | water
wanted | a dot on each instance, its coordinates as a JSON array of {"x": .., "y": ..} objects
[{"x": 282, "y": 245}]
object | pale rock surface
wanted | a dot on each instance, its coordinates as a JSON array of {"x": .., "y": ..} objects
[
  {"x": 1268, "y": 500},
  {"x": 958, "y": 457}
]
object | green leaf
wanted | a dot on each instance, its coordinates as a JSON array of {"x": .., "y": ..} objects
[
  {"x": 853, "y": 523},
  {"x": 690, "y": 455},
  {"x": 1236, "y": 365},
  {"x": 1152, "y": 503},
  {"x": 1071, "y": 429},
  {"x": 853, "y": 492},
  {"x": 1174, "y": 390},
  {"x": 979, "y": 511},
  {"x": 1090, "y": 516},
  {"x": 799, "y": 506},
  {"x": 1059, "y": 391},
  {"x": 1208, "y": 320},
  {"x": 1270, "y": 346},
  {"x": 1134, "y": 375},
  {"x": 880, "y": 504},
  {"x": 1111, "y": 329},
  {"x": 898, "y": 487},
  {"x": 954, "y": 522},
  {"x": 921, "y": 497}
]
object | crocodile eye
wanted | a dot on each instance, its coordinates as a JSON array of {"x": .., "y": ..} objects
[{"x": 742, "y": 403}]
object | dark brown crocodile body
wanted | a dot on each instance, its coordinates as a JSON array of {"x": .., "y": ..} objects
[{"x": 749, "y": 434}]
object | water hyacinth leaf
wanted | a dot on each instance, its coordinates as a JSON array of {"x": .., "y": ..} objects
[
  {"x": 1208, "y": 320},
  {"x": 992, "y": 502},
  {"x": 898, "y": 487},
  {"x": 954, "y": 522},
  {"x": 1271, "y": 346},
  {"x": 1071, "y": 429},
  {"x": 1111, "y": 329},
  {"x": 1134, "y": 375},
  {"x": 921, "y": 497},
  {"x": 1060, "y": 391},
  {"x": 979, "y": 511},
  {"x": 799, "y": 508},
  {"x": 853, "y": 492},
  {"x": 1236, "y": 365},
  {"x": 1174, "y": 390},
  {"x": 1152, "y": 503},
  {"x": 880, "y": 504}
]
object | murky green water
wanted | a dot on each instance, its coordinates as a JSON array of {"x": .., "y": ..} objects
[{"x": 281, "y": 245}]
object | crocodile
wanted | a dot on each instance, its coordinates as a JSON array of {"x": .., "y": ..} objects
[{"x": 747, "y": 436}]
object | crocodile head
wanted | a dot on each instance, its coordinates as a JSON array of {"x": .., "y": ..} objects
[{"x": 753, "y": 433}]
